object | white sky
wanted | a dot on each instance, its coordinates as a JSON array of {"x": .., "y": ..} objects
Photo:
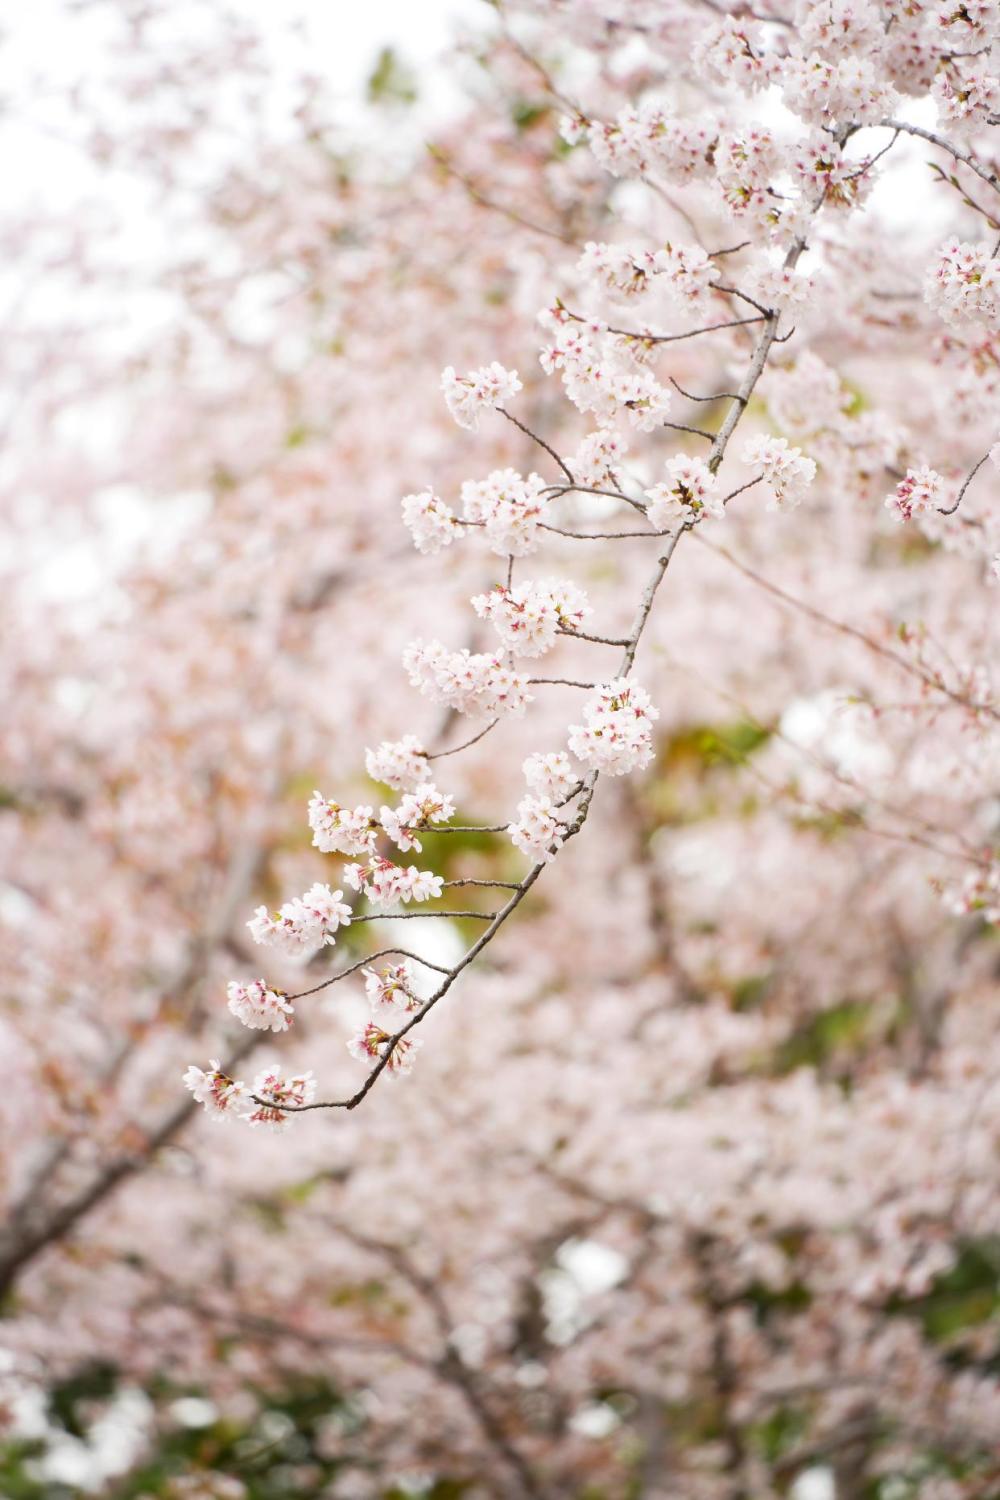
[
  {"x": 44, "y": 47},
  {"x": 48, "y": 45},
  {"x": 352, "y": 33}
]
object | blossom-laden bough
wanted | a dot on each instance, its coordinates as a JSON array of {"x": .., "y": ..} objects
[
  {"x": 694, "y": 1185},
  {"x": 841, "y": 73}
]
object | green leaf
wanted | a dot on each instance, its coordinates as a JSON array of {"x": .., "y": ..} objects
[{"x": 391, "y": 81}]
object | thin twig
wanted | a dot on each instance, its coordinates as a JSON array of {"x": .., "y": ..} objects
[
  {"x": 403, "y": 916},
  {"x": 599, "y": 536},
  {"x": 697, "y": 431},
  {"x": 555, "y": 490},
  {"x": 719, "y": 396},
  {"x": 540, "y": 441},
  {"x": 734, "y": 291},
  {"x": 641, "y": 337},
  {"x": 599, "y": 640},
  {"x": 950, "y": 510},
  {"x": 440, "y": 754},
  {"x": 503, "y": 885},
  {"x": 353, "y": 969}
]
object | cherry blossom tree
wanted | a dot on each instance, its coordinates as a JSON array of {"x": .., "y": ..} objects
[{"x": 575, "y": 543}]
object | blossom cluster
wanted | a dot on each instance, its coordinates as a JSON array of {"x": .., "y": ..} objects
[
  {"x": 979, "y": 893},
  {"x": 963, "y": 284},
  {"x": 468, "y": 396},
  {"x": 421, "y": 808},
  {"x": 528, "y": 617},
  {"x": 616, "y": 735},
  {"x": 689, "y": 493},
  {"x": 966, "y": 96},
  {"x": 823, "y": 90},
  {"x": 550, "y": 775},
  {"x": 918, "y": 492},
  {"x": 821, "y": 166},
  {"x": 372, "y": 1043},
  {"x": 735, "y": 51},
  {"x": 619, "y": 269},
  {"x": 964, "y": 23},
  {"x": 746, "y": 163},
  {"x": 787, "y": 470},
  {"x": 392, "y": 997},
  {"x": 264, "y": 1102},
  {"x": 600, "y": 374},
  {"x": 508, "y": 507},
  {"x": 685, "y": 272},
  {"x": 386, "y": 884},
  {"x": 340, "y": 830},
  {"x": 430, "y": 522},
  {"x": 303, "y": 924},
  {"x": 538, "y": 829},
  {"x": 260, "y": 1006},
  {"x": 599, "y": 457},
  {"x": 645, "y": 140},
  {"x": 401, "y": 764},
  {"x": 274, "y": 1091},
  {"x": 480, "y": 683},
  {"x": 391, "y": 989}
]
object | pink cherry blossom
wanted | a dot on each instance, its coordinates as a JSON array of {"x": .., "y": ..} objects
[
  {"x": 468, "y": 396},
  {"x": 259, "y": 1006}
]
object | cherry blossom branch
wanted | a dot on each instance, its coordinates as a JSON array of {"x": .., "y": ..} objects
[
  {"x": 867, "y": 165},
  {"x": 496, "y": 921},
  {"x": 729, "y": 250},
  {"x": 719, "y": 444},
  {"x": 644, "y": 607}
]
